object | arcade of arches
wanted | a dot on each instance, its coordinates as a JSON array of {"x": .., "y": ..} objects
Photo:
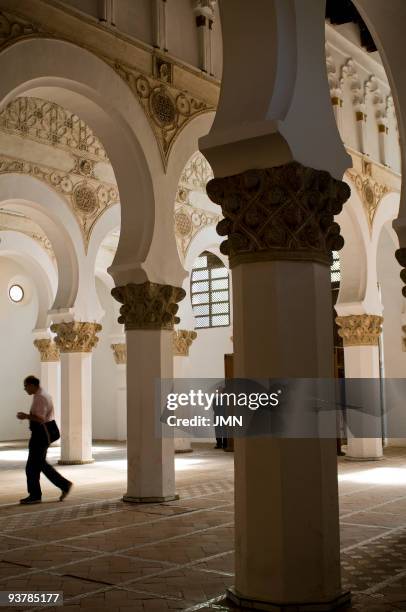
[{"x": 198, "y": 189}]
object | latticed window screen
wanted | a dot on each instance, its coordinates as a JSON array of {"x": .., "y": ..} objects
[
  {"x": 335, "y": 269},
  {"x": 210, "y": 292}
]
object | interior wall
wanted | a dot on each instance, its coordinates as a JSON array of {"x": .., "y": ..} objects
[
  {"x": 206, "y": 356},
  {"x": 104, "y": 418},
  {"x": 394, "y": 356},
  {"x": 19, "y": 356},
  {"x": 182, "y": 37}
]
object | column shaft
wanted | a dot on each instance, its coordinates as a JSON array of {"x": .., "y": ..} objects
[
  {"x": 76, "y": 443},
  {"x": 281, "y": 231},
  {"x": 151, "y": 472},
  {"x": 360, "y": 334}
]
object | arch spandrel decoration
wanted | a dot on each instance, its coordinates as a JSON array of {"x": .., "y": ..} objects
[
  {"x": 167, "y": 108},
  {"x": 188, "y": 218},
  {"x": 88, "y": 198},
  {"x": 372, "y": 182}
]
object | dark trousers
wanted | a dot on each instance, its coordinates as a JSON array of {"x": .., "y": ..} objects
[{"x": 37, "y": 463}]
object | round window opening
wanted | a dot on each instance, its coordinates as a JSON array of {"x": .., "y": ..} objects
[{"x": 16, "y": 293}]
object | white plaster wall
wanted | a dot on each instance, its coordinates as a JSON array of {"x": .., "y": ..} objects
[
  {"x": 104, "y": 373},
  {"x": 393, "y": 306},
  {"x": 206, "y": 356},
  {"x": 182, "y": 32},
  {"x": 19, "y": 357},
  {"x": 90, "y": 7},
  {"x": 134, "y": 17},
  {"x": 393, "y": 303}
]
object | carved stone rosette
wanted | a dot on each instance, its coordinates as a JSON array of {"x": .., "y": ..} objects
[
  {"x": 47, "y": 349},
  {"x": 182, "y": 341},
  {"x": 120, "y": 353},
  {"x": 285, "y": 212},
  {"x": 148, "y": 305},
  {"x": 76, "y": 336},
  {"x": 360, "y": 330}
]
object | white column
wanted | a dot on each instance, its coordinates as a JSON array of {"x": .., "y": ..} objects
[
  {"x": 50, "y": 375},
  {"x": 120, "y": 358},
  {"x": 182, "y": 341},
  {"x": 204, "y": 12},
  {"x": 159, "y": 24},
  {"x": 361, "y": 127},
  {"x": 75, "y": 341},
  {"x": 148, "y": 313},
  {"x": 286, "y": 494},
  {"x": 382, "y": 135},
  {"x": 360, "y": 335}
]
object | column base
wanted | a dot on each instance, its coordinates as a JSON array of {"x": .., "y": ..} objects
[
  {"x": 255, "y": 604},
  {"x": 74, "y": 462},
  {"x": 349, "y": 458},
  {"x": 150, "y": 500}
]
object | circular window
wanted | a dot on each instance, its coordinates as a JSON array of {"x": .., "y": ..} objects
[{"x": 16, "y": 293}]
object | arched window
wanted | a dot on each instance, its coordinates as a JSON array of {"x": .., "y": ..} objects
[{"x": 210, "y": 292}]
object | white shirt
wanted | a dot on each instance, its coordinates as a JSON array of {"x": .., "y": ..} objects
[{"x": 42, "y": 406}]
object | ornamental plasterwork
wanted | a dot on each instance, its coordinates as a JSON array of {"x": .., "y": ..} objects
[
  {"x": 148, "y": 305},
  {"x": 370, "y": 191},
  {"x": 196, "y": 174},
  {"x": 16, "y": 222},
  {"x": 87, "y": 197},
  {"x": 120, "y": 353},
  {"x": 52, "y": 124},
  {"x": 12, "y": 27},
  {"x": 189, "y": 220},
  {"x": 76, "y": 336},
  {"x": 167, "y": 108},
  {"x": 360, "y": 330},
  {"x": 280, "y": 213},
  {"x": 47, "y": 349},
  {"x": 182, "y": 341}
]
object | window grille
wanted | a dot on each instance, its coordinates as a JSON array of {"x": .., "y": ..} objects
[{"x": 210, "y": 291}]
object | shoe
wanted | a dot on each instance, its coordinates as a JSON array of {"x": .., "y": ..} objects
[
  {"x": 30, "y": 500},
  {"x": 66, "y": 492},
  {"x": 218, "y": 446}
]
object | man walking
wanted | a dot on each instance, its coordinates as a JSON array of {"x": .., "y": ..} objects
[{"x": 41, "y": 412}]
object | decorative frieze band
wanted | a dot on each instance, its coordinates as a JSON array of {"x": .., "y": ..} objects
[
  {"x": 148, "y": 305},
  {"x": 360, "y": 330},
  {"x": 47, "y": 349},
  {"x": 120, "y": 353},
  {"x": 76, "y": 336},
  {"x": 182, "y": 341},
  {"x": 285, "y": 212}
]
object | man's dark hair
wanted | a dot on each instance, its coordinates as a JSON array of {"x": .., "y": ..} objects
[{"x": 32, "y": 380}]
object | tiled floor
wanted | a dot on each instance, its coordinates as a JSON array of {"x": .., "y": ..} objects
[{"x": 105, "y": 554}]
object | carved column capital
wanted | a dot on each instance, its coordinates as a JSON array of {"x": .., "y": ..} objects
[
  {"x": 120, "y": 352},
  {"x": 281, "y": 213},
  {"x": 360, "y": 330},
  {"x": 76, "y": 336},
  {"x": 148, "y": 305},
  {"x": 182, "y": 341},
  {"x": 47, "y": 349}
]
